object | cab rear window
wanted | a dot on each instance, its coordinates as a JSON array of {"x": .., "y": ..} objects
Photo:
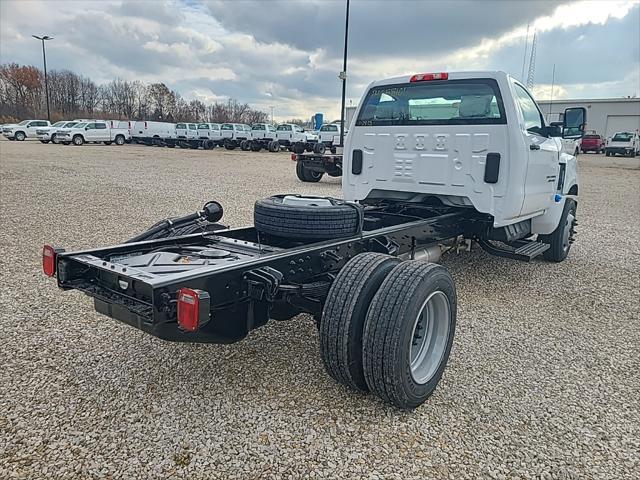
[{"x": 450, "y": 102}]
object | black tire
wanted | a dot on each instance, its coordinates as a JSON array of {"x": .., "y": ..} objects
[
  {"x": 171, "y": 145},
  {"x": 301, "y": 222},
  {"x": 389, "y": 332},
  {"x": 274, "y": 146},
  {"x": 44, "y": 141},
  {"x": 245, "y": 145},
  {"x": 307, "y": 175},
  {"x": 20, "y": 136},
  {"x": 120, "y": 140},
  {"x": 230, "y": 146},
  {"x": 608, "y": 154},
  {"x": 298, "y": 148},
  {"x": 344, "y": 314},
  {"x": 333, "y": 150},
  {"x": 53, "y": 138},
  {"x": 107, "y": 143},
  {"x": 561, "y": 244},
  {"x": 319, "y": 148},
  {"x": 78, "y": 140},
  {"x": 255, "y": 146}
]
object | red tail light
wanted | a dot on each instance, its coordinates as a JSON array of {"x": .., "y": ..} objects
[
  {"x": 294, "y": 157},
  {"x": 193, "y": 309},
  {"x": 49, "y": 257},
  {"x": 425, "y": 77}
]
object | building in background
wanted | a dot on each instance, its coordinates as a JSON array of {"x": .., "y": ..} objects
[{"x": 604, "y": 115}]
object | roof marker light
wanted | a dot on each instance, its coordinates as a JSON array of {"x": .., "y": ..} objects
[{"x": 425, "y": 77}]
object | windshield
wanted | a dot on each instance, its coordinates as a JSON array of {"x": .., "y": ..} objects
[
  {"x": 258, "y": 126},
  {"x": 203, "y": 126},
  {"x": 80, "y": 125},
  {"x": 70, "y": 124},
  {"x": 227, "y": 126},
  {"x": 284, "y": 128},
  {"x": 622, "y": 137},
  {"x": 58, "y": 124},
  {"x": 449, "y": 102},
  {"x": 181, "y": 125},
  {"x": 24, "y": 122}
]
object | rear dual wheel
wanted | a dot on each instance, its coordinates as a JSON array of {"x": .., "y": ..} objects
[
  {"x": 306, "y": 174},
  {"x": 274, "y": 146},
  {"x": 388, "y": 327}
]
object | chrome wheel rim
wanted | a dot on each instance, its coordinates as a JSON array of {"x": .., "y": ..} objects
[{"x": 429, "y": 337}]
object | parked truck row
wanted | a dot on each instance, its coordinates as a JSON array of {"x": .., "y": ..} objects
[{"x": 255, "y": 137}]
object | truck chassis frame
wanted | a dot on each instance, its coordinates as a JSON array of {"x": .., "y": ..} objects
[{"x": 263, "y": 277}]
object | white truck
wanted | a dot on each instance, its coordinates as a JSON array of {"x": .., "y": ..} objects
[
  {"x": 263, "y": 135},
  {"x": 23, "y": 130},
  {"x": 328, "y": 138},
  {"x": 209, "y": 131},
  {"x": 152, "y": 133},
  {"x": 295, "y": 138},
  {"x": 235, "y": 135},
  {"x": 49, "y": 134},
  {"x": 94, "y": 131},
  {"x": 623, "y": 143},
  {"x": 433, "y": 162}
]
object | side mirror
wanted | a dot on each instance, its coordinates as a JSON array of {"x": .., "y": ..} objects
[
  {"x": 575, "y": 120},
  {"x": 86, "y": 128},
  {"x": 554, "y": 130}
]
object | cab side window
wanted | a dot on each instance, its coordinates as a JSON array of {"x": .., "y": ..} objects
[
  {"x": 533, "y": 121},
  {"x": 90, "y": 126},
  {"x": 100, "y": 126}
]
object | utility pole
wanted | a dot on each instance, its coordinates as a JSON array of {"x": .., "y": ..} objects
[
  {"x": 44, "y": 58},
  {"x": 553, "y": 81},
  {"x": 272, "y": 108},
  {"x": 343, "y": 75}
]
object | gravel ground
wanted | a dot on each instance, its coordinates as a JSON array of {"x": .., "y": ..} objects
[{"x": 542, "y": 383}]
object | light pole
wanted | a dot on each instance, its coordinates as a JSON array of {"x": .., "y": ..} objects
[
  {"x": 343, "y": 75},
  {"x": 44, "y": 58},
  {"x": 272, "y": 108}
]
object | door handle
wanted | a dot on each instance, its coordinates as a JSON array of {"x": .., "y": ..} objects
[{"x": 533, "y": 146}]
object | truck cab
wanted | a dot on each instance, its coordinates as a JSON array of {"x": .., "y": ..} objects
[
  {"x": 209, "y": 131},
  {"x": 475, "y": 140},
  {"x": 263, "y": 131}
]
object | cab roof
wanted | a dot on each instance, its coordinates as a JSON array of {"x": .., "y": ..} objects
[{"x": 496, "y": 74}]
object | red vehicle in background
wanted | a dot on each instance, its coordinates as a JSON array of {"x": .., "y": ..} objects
[{"x": 592, "y": 142}]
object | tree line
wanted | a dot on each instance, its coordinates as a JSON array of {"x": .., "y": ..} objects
[{"x": 22, "y": 95}]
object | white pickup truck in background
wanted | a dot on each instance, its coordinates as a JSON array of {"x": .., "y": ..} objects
[
  {"x": 49, "y": 134},
  {"x": 623, "y": 143},
  {"x": 235, "y": 135},
  {"x": 295, "y": 138},
  {"x": 209, "y": 131},
  {"x": 94, "y": 131},
  {"x": 187, "y": 131},
  {"x": 23, "y": 130}
]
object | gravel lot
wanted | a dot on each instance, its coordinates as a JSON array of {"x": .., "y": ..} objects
[{"x": 543, "y": 379}]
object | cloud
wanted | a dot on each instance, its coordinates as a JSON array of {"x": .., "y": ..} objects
[{"x": 288, "y": 53}]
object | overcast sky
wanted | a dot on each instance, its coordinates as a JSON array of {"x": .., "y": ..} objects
[{"x": 288, "y": 53}]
